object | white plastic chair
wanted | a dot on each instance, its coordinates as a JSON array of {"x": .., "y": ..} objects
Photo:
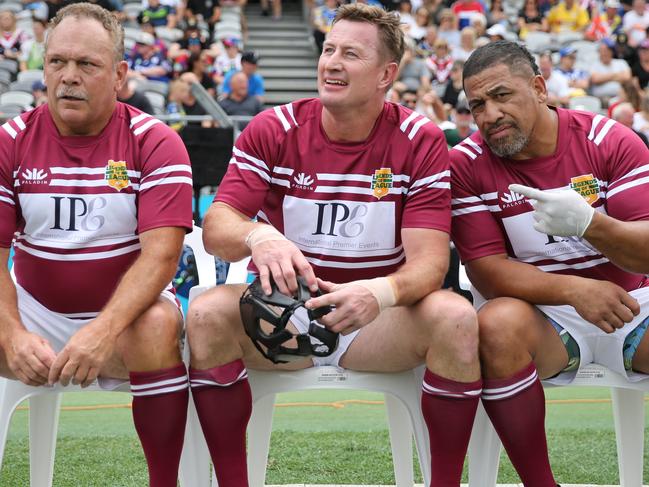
[
  {"x": 628, "y": 416},
  {"x": 17, "y": 98},
  {"x": 44, "y": 402},
  {"x": 587, "y": 103},
  {"x": 402, "y": 398}
]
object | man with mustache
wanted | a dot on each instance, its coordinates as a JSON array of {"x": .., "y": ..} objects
[
  {"x": 550, "y": 210},
  {"x": 96, "y": 198}
]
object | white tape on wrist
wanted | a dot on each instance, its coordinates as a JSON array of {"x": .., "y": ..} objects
[
  {"x": 262, "y": 233},
  {"x": 382, "y": 290}
]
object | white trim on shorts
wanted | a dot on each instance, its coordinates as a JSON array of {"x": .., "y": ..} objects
[{"x": 595, "y": 346}]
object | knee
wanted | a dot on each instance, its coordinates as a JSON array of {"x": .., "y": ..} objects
[
  {"x": 158, "y": 329},
  {"x": 211, "y": 314},
  {"x": 502, "y": 325},
  {"x": 451, "y": 321}
]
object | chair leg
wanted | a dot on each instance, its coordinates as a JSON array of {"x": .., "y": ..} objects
[
  {"x": 10, "y": 398},
  {"x": 628, "y": 414},
  {"x": 259, "y": 429},
  {"x": 400, "y": 441},
  {"x": 43, "y": 425},
  {"x": 484, "y": 451},
  {"x": 195, "y": 458}
]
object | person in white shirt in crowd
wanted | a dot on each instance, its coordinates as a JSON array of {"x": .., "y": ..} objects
[
  {"x": 229, "y": 59},
  {"x": 467, "y": 44},
  {"x": 623, "y": 113},
  {"x": 635, "y": 22},
  {"x": 578, "y": 79},
  {"x": 555, "y": 82},
  {"x": 607, "y": 74}
]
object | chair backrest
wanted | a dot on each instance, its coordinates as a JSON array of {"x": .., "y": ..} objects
[
  {"x": 153, "y": 85},
  {"x": 17, "y": 98},
  {"x": 24, "y": 85},
  {"x": 587, "y": 103},
  {"x": 31, "y": 75},
  {"x": 9, "y": 64},
  {"x": 238, "y": 272},
  {"x": 204, "y": 261},
  {"x": 157, "y": 101}
]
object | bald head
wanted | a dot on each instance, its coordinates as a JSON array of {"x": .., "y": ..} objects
[
  {"x": 239, "y": 85},
  {"x": 623, "y": 113}
]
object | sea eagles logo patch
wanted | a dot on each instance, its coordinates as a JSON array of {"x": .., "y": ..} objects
[
  {"x": 116, "y": 175},
  {"x": 381, "y": 182},
  {"x": 587, "y": 186}
]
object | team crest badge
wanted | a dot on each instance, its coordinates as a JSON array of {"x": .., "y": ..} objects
[
  {"x": 587, "y": 186},
  {"x": 381, "y": 182},
  {"x": 116, "y": 175}
]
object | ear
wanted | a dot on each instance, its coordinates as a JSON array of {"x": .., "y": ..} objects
[
  {"x": 388, "y": 75},
  {"x": 120, "y": 75},
  {"x": 540, "y": 89}
]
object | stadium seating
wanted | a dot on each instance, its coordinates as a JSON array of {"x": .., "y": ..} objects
[
  {"x": 44, "y": 402},
  {"x": 402, "y": 398},
  {"x": 628, "y": 415}
]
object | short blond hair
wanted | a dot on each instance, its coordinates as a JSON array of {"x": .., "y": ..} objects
[
  {"x": 95, "y": 12},
  {"x": 387, "y": 23}
]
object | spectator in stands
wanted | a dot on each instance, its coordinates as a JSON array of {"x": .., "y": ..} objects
[
  {"x": 623, "y": 113},
  {"x": 635, "y": 22},
  {"x": 431, "y": 106},
  {"x": 605, "y": 24},
  {"x": 578, "y": 79},
  {"x": 530, "y": 19},
  {"x": 641, "y": 118},
  {"x": 556, "y": 84},
  {"x": 160, "y": 15},
  {"x": 417, "y": 32},
  {"x": 629, "y": 92},
  {"x": 465, "y": 10},
  {"x": 496, "y": 13},
  {"x": 568, "y": 16},
  {"x": 160, "y": 44},
  {"x": 404, "y": 12},
  {"x": 464, "y": 126},
  {"x": 413, "y": 71},
  {"x": 440, "y": 63},
  {"x": 276, "y": 6},
  {"x": 200, "y": 64},
  {"x": 622, "y": 50},
  {"x": 145, "y": 62},
  {"x": 497, "y": 32},
  {"x": 229, "y": 59},
  {"x": 467, "y": 44},
  {"x": 409, "y": 99},
  {"x": 607, "y": 74},
  {"x": 238, "y": 102},
  {"x": 12, "y": 38},
  {"x": 193, "y": 42},
  {"x": 249, "y": 62},
  {"x": 39, "y": 92},
  {"x": 33, "y": 49},
  {"x": 178, "y": 94},
  {"x": 640, "y": 69},
  {"x": 128, "y": 94},
  {"x": 453, "y": 86},
  {"x": 425, "y": 46},
  {"x": 479, "y": 25},
  {"x": 323, "y": 17},
  {"x": 190, "y": 104},
  {"x": 208, "y": 11},
  {"x": 448, "y": 28}
]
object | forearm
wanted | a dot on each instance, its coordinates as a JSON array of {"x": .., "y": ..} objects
[
  {"x": 144, "y": 280},
  {"x": 623, "y": 243},
  {"x": 497, "y": 277},
  {"x": 225, "y": 231},
  {"x": 418, "y": 278},
  {"x": 8, "y": 301}
]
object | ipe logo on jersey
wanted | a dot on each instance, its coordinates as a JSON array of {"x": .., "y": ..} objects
[{"x": 34, "y": 176}]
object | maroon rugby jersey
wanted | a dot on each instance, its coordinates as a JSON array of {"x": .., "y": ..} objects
[
  {"x": 76, "y": 205},
  {"x": 599, "y": 158},
  {"x": 342, "y": 204}
]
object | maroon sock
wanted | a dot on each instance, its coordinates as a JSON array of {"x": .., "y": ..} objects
[
  {"x": 449, "y": 409},
  {"x": 516, "y": 407},
  {"x": 160, "y": 412},
  {"x": 224, "y": 403}
]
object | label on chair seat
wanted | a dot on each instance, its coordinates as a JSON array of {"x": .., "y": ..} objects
[
  {"x": 330, "y": 374},
  {"x": 591, "y": 372}
]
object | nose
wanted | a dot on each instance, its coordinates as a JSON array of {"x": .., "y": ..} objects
[
  {"x": 332, "y": 61},
  {"x": 70, "y": 73},
  {"x": 492, "y": 112}
]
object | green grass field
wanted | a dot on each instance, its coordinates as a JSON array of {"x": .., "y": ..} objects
[{"x": 342, "y": 443}]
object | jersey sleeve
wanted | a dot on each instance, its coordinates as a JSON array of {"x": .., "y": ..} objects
[
  {"x": 627, "y": 196},
  {"x": 166, "y": 190},
  {"x": 429, "y": 195},
  {"x": 474, "y": 231},
  {"x": 247, "y": 180},
  {"x": 8, "y": 210}
]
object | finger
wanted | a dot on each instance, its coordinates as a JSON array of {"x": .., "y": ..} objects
[
  {"x": 305, "y": 270},
  {"x": 278, "y": 277},
  {"x": 81, "y": 374},
  {"x": 605, "y": 327},
  {"x": 289, "y": 275},
  {"x": 32, "y": 375},
  {"x": 631, "y": 303},
  {"x": 93, "y": 373},
  {"x": 67, "y": 373},
  {"x": 614, "y": 320},
  {"x": 534, "y": 193},
  {"x": 264, "y": 278},
  {"x": 46, "y": 353},
  {"x": 39, "y": 368},
  {"x": 327, "y": 286},
  {"x": 329, "y": 299},
  {"x": 624, "y": 313},
  {"x": 57, "y": 366}
]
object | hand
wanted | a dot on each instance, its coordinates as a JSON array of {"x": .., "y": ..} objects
[
  {"x": 603, "y": 303},
  {"x": 281, "y": 259},
  {"x": 562, "y": 213},
  {"x": 30, "y": 357},
  {"x": 354, "y": 306},
  {"x": 83, "y": 356}
]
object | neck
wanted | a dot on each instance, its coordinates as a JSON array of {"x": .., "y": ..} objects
[
  {"x": 546, "y": 135},
  {"x": 350, "y": 124}
]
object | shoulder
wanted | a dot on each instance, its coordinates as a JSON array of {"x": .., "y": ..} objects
[
  {"x": 414, "y": 128},
  {"x": 145, "y": 128},
  {"x": 283, "y": 119},
  {"x": 17, "y": 127}
]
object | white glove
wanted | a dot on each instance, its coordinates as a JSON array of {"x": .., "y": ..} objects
[{"x": 562, "y": 213}]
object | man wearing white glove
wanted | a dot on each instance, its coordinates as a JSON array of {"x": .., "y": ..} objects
[
  {"x": 550, "y": 210},
  {"x": 352, "y": 193}
]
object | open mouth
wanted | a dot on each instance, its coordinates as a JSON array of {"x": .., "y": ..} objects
[{"x": 335, "y": 82}]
